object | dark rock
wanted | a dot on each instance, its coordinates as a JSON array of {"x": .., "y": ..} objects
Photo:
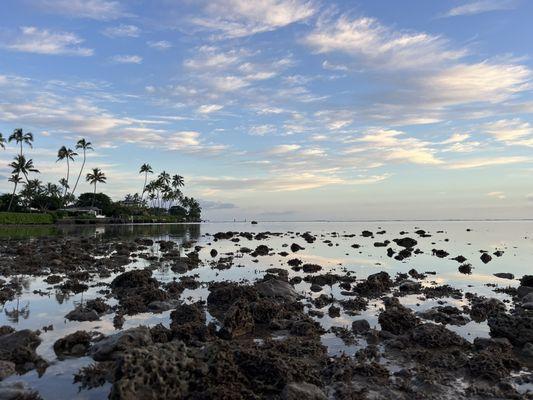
[
  {"x": 406, "y": 242},
  {"x": 360, "y": 326},
  {"x": 504, "y": 275},
  {"x": 486, "y": 257},
  {"x": 76, "y": 344}
]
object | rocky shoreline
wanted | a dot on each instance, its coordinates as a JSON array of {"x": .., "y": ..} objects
[{"x": 265, "y": 339}]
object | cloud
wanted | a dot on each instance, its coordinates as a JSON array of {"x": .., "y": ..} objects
[
  {"x": 480, "y": 82},
  {"x": 44, "y": 41},
  {"x": 513, "y": 132},
  {"x": 102, "y": 10},
  {"x": 239, "y": 18},
  {"x": 216, "y": 205},
  {"x": 122, "y": 31},
  {"x": 209, "y": 108},
  {"x": 487, "y": 162},
  {"x": 160, "y": 45},
  {"x": 481, "y": 6},
  {"x": 380, "y": 46},
  {"x": 284, "y": 182},
  {"x": 334, "y": 67},
  {"x": 497, "y": 195},
  {"x": 127, "y": 59},
  {"x": 284, "y": 148},
  {"x": 261, "y": 130},
  {"x": 393, "y": 146}
]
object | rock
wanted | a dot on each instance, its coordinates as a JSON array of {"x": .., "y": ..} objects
[
  {"x": 311, "y": 268},
  {"x": 486, "y": 258},
  {"x": 76, "y": 344},
  {"x": 17, "y": 391},
  {"x": 440, "y": 253},
  {"x": 301, "y": 391},
  {"x": 406, "y": 242},
  {"x": 213, "y": 253},
  {"x": 434, "y": 336},
  {"x": 527, "y": 280},
  {"x": 518, "y": 328},
  {"x": 296, "y": 247},
  {"x": 254, "y": 222},
  {"x": 7, "y": 368},
  {"x": 238, "y": 320},
  {"x": 528, "y": 306},
  {"x": 261, "y": 250},
  {"x": 445, "y": 315},
  {"x": 367, "y": 234},
  {"x": 374, "y": 285},
  {"x": 360, "y": 326},
  {"x": 482, "y": 308},
  {"x": 528, "y": 298},
  {"x": 162, "y": 306},
  {"x": 81, "y": 313},
  {"x": 460, "y": 259},
  {"x": 465, "y": 269},
  {"x": 277, "y": 289},
  {"x": 114, "y": 346},
  {"x": 523, "y": 291},
  {"x": 409, "y": 286},
  {"x": 19, "y": 347},
  {"x": 504, "y": 275},
  {"x": 396, "y": 318},
  {"x": 527, "y": 351},
  {"x": 334, "y": 312}
]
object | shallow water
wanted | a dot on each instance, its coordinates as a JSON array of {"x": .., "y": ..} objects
[{"x": 46, "y": 307}]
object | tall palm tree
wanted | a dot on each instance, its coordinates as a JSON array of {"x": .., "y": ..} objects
[
  {"x": 97, "y": 176},
  {"x": 145, "y": 169},
  {"x": 20, "y": 166},
  {"x": 66, "y": 154},
  {"x": 2, "y": 141},
  {"x": 84, "y": 145},
  {"x": 21, "y": 138},
  {"x": 52, "y": 190},
  {"x": 177, "y": 181}
]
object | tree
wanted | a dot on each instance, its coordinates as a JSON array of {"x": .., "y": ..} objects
[
  {"x": 101, "y": 201},
  {"x": 145, "y": 169},
  {"x": 97, "y": 176},
  {"x": 66, "y": 154},
  {"x": 20, "y": 166},
  {"x": 84, "y": 145},
  {"x": 15, "y": 179},
  {"x": 2, "y": 141},
  {"x": 21, "y": 138}
]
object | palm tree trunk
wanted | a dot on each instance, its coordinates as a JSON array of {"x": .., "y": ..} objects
[
  {"x": 144, "y": 186},
  {"x": 12, "y": 197},
  {"x": 94, "y": 194},
  {"x": 66, "y": 185},
  {"x": 81, "y": 172}
]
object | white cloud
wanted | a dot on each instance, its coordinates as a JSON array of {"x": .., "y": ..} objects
[
  {"x": 481, "y": 82},
  {"x": 334, "y": 67},
  {"x": 261, "y": 130},
  {"x": 487, "y": 162},
  {"x": 238, "y": 18},
  {"x": 497, "y": 195},
  {"x": 122, "y": 31},
  {"x": 127, "y": 59},
  {"x": 391, "y": 145},
  {"x": 102, "y": 10},
  {"x": 160, "y": 45},
  {"x": 456, "y": 138},
  {"x": 284, "y": 149},
  {"x": 481, "y": 6},
  {"x": 209, "y": 108},
  {"x": 511, "y": 131},
  {"x": 44, "y": 41},
  {"x": 378, "y": 45}
]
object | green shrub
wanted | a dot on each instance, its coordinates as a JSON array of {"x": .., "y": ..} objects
[{"x": 25, "y": 219}]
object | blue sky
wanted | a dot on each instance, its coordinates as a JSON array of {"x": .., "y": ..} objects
[{"x": 283, "y": 109}]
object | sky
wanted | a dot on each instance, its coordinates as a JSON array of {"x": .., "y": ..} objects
[{"x": 282, "y": 109}]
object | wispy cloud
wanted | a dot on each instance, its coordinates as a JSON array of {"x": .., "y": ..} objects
[
  {"x": 487, "y": 162},
  {"x": 209, "y": 108},
  {"x": 122, "y": 30},
  {"x": 127, "y": 59},
  {"x": 481, "y": 6},
  {"x": 44, "y": 41},
  {"x": 102, "y": 10},
  {"x": 378, "y": 45},
  {"x": 238, "y": 18},
  {"x": 511, "y": 131},
  {"x": 160, "y": 45}
]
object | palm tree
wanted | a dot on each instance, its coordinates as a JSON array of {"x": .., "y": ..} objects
[
  {"x": 145, "y": 169},
  {"x": 20, "y": 166},
  {"x": 68, "y": 154},
  {"x": 2, "y": 141},
  {"x": 52, "y": 190},
  {"x": 164, "y": 178},
  {"x": 84, "y": 145},
  {"x": 177, "y": 181},
  {"x": 20, "y": 137},
  {"x": 97, "y": 176}
]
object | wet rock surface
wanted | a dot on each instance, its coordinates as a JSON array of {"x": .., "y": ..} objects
[{"x": 268, "y": 337}]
